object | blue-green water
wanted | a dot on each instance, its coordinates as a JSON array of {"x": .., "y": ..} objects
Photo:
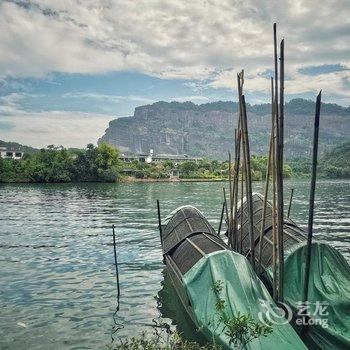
[{"x": 57, "y": 281}]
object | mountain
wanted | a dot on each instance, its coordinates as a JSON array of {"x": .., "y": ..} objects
[
  {"x": 336, "y": 163},
  {"x": 17, "y": 147},
  {"x": 207, "y": 130}
]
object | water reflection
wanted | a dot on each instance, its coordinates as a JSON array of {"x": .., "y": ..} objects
[{"x": 172, "y": 310}]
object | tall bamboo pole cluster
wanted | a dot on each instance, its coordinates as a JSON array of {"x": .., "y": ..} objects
[
  {"x": 274, "y": 169},
  {"x": 241, "y": 166},
  {"x": 242, "y": 150}
]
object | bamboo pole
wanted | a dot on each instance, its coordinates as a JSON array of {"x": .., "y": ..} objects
[
  {"x": 234, "y": 166},
  {"x": 266, "y": 191},
  {"x": 281, "y": 97},
  {"x": 234, "y": 235},
  {"x": 274, "y": 235},
  {"x": 279, "y": 161},
  {"x": 248, "y": 177},
  {"x": 236, "y": 180},
  {"x": 242, "y": 196},
  {"x": 276, "y": 68},
  {"x": 280, "y": 197},
  {"x": 227, "y": 214},
  {"x": 230, "y": 177},
  {"x": 240, "y": 82},
  {"x": 290, "y": 202},
  {"x": 312, "y": 197},
  {"x": 221, "y": 217},
  {"x": 231, "y": 199}
]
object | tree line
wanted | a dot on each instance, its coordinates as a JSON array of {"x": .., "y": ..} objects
[{"x": 102, "y": 164}]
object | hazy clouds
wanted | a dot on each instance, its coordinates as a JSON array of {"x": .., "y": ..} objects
[
  {"x": 204, "y": 42},
  {"x": 178, "y": 38}
]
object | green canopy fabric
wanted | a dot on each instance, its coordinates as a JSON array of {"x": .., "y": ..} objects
[
  {"x": 242, "y": 292},
  {"x": 329, "y": 294}
]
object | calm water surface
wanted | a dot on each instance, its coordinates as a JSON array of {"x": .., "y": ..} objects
[{"x": 57, "y": 282}]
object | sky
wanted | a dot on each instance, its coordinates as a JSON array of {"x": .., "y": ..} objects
[{"x": 68, "y": 67}]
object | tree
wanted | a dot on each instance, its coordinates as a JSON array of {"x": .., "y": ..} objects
[
  {"x": 187, "y": 167},
  {"x": 107, "y": 162},
  {"x": 49, "y": 166}
]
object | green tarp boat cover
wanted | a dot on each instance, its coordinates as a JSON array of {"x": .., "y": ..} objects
[
  {"x": 242, "y": 292},
  {"x": 329, "y": 294}
]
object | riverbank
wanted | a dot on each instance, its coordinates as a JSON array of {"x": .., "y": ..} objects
[{"x": 131, "y": 179}]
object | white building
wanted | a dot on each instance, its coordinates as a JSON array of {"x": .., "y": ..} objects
[
  {"x": 7, "y": 154},
  {"x": 158, "y": 158}
]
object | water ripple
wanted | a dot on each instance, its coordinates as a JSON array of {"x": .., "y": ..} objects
[{"x": 58, "y": 288}]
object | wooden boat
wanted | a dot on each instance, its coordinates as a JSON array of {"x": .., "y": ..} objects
[
  {"x": 197, "y": 258},
  {"x": 329, "y": 287},
  {"x": 187, "y": 237}
]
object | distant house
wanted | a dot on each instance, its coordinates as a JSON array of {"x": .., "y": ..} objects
[
  {"x": 7, "y": 154},
  {"x": 157, "y": 158},
  {"x": 176, "y": 158},
  {"x": 128, "y": 158}
]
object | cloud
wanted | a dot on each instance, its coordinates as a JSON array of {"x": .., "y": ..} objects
[
  {"x": 193, "y": 98},
  {"x": 167, "y": 38},
  {"x": 325, "y": 68},
  {"x": 139, "y": 99},
  {"x": 109, "y": 98},
  {"x": 39, "y": 129},
  {"x": 201, "y": 44},
  {"x": 68, "y": 128}
]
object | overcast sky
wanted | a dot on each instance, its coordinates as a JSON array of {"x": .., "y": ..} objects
[{"x": 67, "y": 67}]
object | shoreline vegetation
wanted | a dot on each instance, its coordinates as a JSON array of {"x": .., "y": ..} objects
[{"x": 102, "y": 164}]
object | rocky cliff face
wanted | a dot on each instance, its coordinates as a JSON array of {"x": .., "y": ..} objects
[{"x": 207, "y": 130}]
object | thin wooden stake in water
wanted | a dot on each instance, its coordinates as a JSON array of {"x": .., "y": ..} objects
[
  {"x": 159, "y": 223},
  {"x": 221, "y": 218},
  {"x": 312, "y": 197},
  {"x": 227, "y": 214},
  {"x": 290, "y": 202},
  {"x": 116, "y": 264}
]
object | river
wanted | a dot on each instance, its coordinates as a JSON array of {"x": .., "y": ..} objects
[{"x": 57, "y": 278}]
